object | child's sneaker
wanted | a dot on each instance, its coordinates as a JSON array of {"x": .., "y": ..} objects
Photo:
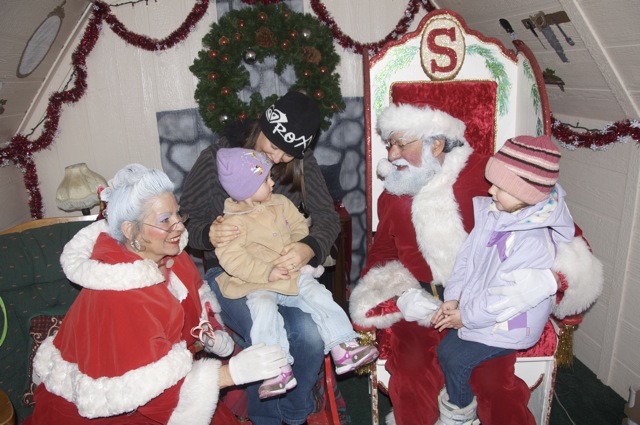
[
  {"x": 351, "y": 355},
  {"x": 279, "y": 384}
]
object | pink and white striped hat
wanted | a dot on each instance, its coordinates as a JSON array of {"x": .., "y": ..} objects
[{"x": 526, "y": 167}]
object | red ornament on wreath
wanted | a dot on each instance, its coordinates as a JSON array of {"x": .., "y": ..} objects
[
  {"x": 212, "y": 76},
  {"x": 293, "y": 34},
  {"x": 241, "y": 24},
  {"x": 323, "y": 70},
  {"x": 237, "y": 37},
  {"x": 319, "y": 94},
  {"x": 242, "y": 116},
  {"x": 223, "y": 41},
  {"x": 262, "y": 16},
  {"x": 212, "y": 106},
  {"x": 306, "y": 73},
  {"x": 284, "y": 45},
  {"x": 225, "y": 91},
  {"x": 225, "y": 58},
  {"x": 213, "y": 54}
]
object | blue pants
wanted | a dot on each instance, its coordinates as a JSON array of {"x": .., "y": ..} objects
[
  {"x": 313, "y": 298},
  {"x": 306, "y": 347},
  {"x": 457, "y": 359}
]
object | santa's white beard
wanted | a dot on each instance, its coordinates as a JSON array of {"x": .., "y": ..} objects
[{"x": 411, "y": 179}]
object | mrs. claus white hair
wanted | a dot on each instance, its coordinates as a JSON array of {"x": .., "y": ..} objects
[{"x": 128, "y": 194}]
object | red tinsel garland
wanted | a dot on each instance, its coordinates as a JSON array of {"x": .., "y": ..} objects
[
  {"x": 614, "y": 132},
  {"x": 348, "y": 43},
  {"x": 20, "y": 149}
]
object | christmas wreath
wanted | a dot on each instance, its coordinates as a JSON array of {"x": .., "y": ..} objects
[{"x": 250, "y": 35}]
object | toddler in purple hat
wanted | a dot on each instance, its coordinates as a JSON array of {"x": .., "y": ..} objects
[
  {"x": 513, "y": 240},
  {"x": 268, "y": 222}
]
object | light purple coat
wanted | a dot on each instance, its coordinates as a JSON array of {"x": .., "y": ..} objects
[{"x": 499, "y": 243}]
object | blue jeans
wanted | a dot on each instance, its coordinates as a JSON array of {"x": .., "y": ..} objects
[
  {"x": 306, "y": 347},
  {"x": 313, "y": 298},
  {"x": 457, "y": 359}
]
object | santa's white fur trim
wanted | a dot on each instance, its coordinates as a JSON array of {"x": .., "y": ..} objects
[
  {"x": 378, "y": 285},
  {"x": 583, "y": 272},
  {"x": 198, "y": 394},
  {"x": 105, "y": 396},
  {"x": 436, "y": 217},
  {"x": 417, "y": 122}
]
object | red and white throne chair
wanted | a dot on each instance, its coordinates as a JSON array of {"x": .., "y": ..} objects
[{"x": 499, "y": 94}]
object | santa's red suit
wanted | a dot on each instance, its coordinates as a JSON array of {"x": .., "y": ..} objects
[
  {"x": 124, "y": 351},
  {"x": 417, "y": 240}
]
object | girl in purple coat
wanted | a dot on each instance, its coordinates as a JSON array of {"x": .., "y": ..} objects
[{"x": 514, "y": 237}]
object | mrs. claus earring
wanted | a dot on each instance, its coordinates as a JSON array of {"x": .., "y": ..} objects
[{"x": 135, "y": 245}]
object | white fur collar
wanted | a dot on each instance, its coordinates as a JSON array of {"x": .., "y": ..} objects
[
  {"x": 436, "y": 217},
  {"x": 81, "y": 269}
]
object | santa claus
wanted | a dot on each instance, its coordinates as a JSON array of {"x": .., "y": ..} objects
[{"x": 425, "y": 213}]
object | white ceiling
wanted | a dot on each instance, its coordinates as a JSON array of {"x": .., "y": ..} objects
[
  {"x": 601, "y": 77},
  {"x": 19, "y": 20}
]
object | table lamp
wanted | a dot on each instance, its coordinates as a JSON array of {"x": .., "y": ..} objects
[{"x": 79, "y": 189}]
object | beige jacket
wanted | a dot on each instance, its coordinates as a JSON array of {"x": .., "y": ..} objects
[{"x": 265, "y": 230}]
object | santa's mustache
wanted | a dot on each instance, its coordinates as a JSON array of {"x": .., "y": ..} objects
[{"x": 386, "y": 167}]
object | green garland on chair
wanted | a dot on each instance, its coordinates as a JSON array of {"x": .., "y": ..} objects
[
  {"x": 399, "y": 58},
  {"x": 250, "y": 35},
  {"x": 535, "y": 95},
  {"x": 497, "y": 71}
]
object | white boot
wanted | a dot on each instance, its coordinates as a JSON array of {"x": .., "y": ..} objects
[{"x": 450, "y": 414}]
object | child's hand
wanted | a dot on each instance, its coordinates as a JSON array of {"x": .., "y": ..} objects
[
  {"x": 278, "y": 273},
  {"x": 449, "y": 316},
  {"x": 444, "y": 309}
]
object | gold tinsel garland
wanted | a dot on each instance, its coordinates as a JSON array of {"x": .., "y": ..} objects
[
  {"x": 366, "y": 338},
  {"x": 564, "y": 352}
]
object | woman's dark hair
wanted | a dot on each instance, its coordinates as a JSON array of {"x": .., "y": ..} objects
[{"x": 289, "y": 173}]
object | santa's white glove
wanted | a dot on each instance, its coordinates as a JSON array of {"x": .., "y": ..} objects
[
  {"x": 530, "y": 288},
  {"x": 221, "y": 344},
  {"x": 256, "y": 363},
  {"x": 415, "y": 304}
]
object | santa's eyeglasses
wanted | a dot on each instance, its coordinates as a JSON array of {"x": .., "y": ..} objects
[{"x": 389, "y": 144}]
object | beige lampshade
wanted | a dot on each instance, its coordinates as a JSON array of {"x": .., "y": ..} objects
[{"x": 79, "y": 188}]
